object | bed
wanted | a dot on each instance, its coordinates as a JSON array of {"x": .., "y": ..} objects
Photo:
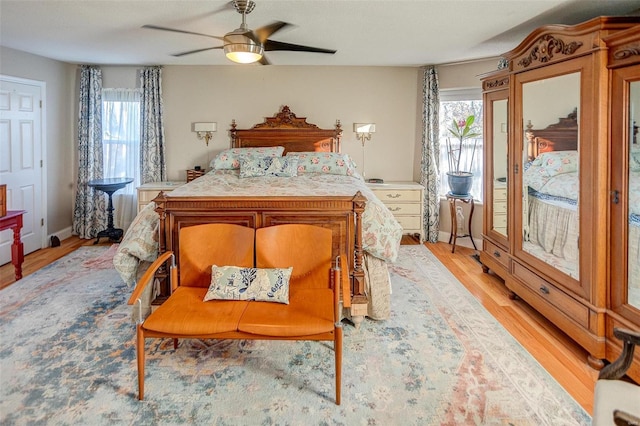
[
  {"x": 550, "y": 202},
  {"x": 634, "y": 226},
  {"x": 256, "y": 183}
]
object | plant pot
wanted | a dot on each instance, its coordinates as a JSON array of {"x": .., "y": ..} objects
[{"x": 460, "y": 183}]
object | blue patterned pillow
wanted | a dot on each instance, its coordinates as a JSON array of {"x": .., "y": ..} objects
[
  {"x": 324, "y": 162},
  {"x": 259, "y": 284},
  {"x": 230, "y": 158},
  {"x": 268, "y": 166}
]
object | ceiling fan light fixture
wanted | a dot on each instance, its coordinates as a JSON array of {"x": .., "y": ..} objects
[{"x": 243, "y": 53}]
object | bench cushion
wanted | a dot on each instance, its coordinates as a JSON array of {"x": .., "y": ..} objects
[
  {"x": 308, "y": 313},
  {"x": 184, "y": 313}
]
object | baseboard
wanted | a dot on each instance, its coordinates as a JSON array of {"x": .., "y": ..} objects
[
  {"x": 62, "y": 234},
  {"x": 443, "y": 236}
]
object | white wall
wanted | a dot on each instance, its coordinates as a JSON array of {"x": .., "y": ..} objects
[
  {"x": 463, "y": 76},
  {"x": 384, "y": 95},
  {"x": 389, "y": 96},
  {"x": 60, "y": 122}
]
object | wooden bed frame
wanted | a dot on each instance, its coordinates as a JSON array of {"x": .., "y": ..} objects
[
  {"x": 561, "y": 136},
  {"x": 341, "y": 214}
]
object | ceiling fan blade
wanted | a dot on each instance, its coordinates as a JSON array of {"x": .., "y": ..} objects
[
  {"x": 196, "y": 51},
  {"x": 271, "y": 45},
  {"x": 267, "y": 31},
  {"x": 156, "y": 27}
]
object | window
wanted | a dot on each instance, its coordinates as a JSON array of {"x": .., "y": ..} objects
[
  {"x": 121, "y": 148},
  {"x": 457, "y": 104}
]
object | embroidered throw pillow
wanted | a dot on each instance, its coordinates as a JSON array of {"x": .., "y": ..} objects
[
  {"x": 324, "y": 162},
  {"x": 268, "y": 166},
  {"x": 557, "y": 162},
  {"x": 230, "y": 158},
  {"x": 259, "y": 284}
]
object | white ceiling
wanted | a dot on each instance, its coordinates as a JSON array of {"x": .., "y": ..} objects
[{"x": 364, "y": 32}]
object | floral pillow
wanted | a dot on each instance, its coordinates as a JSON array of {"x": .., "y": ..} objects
[
  {"x": 268, "y": 166},
  {"x": 259, "y": 284},
  {"x": 324, "y": 162},
  {"x": 557, "y": 162},
  {"x": 230, "y": 158}
]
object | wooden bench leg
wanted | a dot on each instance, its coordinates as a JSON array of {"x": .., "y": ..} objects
[{"x": 140, "y": 358}]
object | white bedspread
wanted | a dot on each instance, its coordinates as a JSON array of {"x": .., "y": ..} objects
[{"x": 381, "y": 232}]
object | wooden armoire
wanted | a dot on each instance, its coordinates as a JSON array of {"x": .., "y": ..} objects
[{"x": 562, "y": 187}]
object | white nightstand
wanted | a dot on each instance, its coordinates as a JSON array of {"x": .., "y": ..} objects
[
  {"x": 149, "y": 191},
  {"x": 405, "y": 201}
]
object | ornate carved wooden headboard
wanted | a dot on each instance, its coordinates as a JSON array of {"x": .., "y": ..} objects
[
  {"x": 285, "y": 129},
  {"x": 561, "y": 136}
]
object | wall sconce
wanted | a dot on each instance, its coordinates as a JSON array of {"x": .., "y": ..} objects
[
  {"x": 205, "y": 130},
  {"x": 364, "y": 130}
]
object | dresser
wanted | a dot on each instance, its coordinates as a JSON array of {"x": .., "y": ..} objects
[
  {"x": 405, "y": 201},
  {"x": 500, "y": 207},
  {"x": 149, "y": 191}
]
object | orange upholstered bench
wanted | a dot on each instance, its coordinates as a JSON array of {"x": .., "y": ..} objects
[{"x": 211, "y": 299}]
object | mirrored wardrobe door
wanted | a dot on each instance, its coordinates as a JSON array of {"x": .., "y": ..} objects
[{"x": 550, "y": 171}]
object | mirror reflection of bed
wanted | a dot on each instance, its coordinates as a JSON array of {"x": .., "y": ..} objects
[
  {"x": 550, "y": 205},
  {"x": 633, "y": 262}
]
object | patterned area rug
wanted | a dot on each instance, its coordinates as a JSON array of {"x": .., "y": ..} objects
[{"x": 68, "y": 358}]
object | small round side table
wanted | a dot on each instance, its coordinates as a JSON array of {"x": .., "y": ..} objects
[
  {"x": 466, "y": 199},
  {"x": 109, "y": 186}
]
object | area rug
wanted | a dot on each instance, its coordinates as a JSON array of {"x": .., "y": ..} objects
[{"x": 68, "y": 358}]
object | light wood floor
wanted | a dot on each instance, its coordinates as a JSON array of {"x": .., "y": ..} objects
[{"x": 557, "y": 353}]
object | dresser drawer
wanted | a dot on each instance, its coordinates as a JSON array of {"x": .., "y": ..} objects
[
  {"x": 499, "y": 220},
  {"x": 147, "y": 196},
  {"x": 395, "y": 195},
  {"x": 400, "y": 209},
  {"x": 500, "y": 194},
  {"x": 550, "y": 293},
  {"x": 499, "y": 207},
  {"x": 497, "y": 253},
  {"x": 409, "y": 222}
]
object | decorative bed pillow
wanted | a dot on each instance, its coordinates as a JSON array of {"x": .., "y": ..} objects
[
  {"x": 268, "y": 166},
  {"x": 557, "y": 162},
  {"x": 259, "y": 284},
  {"x": 324, "y": 162},
  {"x": 230, "y": 158}
]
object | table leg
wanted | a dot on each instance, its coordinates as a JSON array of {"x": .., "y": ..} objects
[
  {"x": 17, "y": 252},
  {"x": 471, "y": 217},
  {"x": 454, "y": 224}
]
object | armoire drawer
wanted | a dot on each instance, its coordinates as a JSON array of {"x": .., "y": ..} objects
[
  {"x": 497, "y": 253},
  {"x": 550, "y": 293}
]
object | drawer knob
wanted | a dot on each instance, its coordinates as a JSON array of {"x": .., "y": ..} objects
[
  {"x": 394, "y": 195},
  {"x": 496, "y": 253},
  {"x": 395, "y": 209},
  {"x": 544, "y": 290}
]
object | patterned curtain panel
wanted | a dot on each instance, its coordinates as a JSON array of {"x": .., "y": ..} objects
[
  {"x": 153, "y": 166},
  {"x": 89, "y": 214},
  {"x": 430, "y": 162}
]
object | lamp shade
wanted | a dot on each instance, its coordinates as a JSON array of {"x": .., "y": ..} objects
[
  {"x": 364, "y": 127},
  {"x": 243, "y": 53},
  {"x": 205, "y": 127}
]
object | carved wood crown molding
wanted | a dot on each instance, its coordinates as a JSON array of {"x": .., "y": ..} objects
[
  {"x": 546, "y": 48},
  {"x": 286, "y": 118},
  {"x": 626, "y": 52},
  {"x": 497, "y": 83}
]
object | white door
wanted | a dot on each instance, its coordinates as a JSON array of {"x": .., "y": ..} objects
[{"x": 21, "y": 162}]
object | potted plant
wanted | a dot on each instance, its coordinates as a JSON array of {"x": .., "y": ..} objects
[{"x": 459, "y": 175}]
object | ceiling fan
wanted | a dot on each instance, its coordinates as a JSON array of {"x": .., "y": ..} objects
[{"x": 244, "y": 45}]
